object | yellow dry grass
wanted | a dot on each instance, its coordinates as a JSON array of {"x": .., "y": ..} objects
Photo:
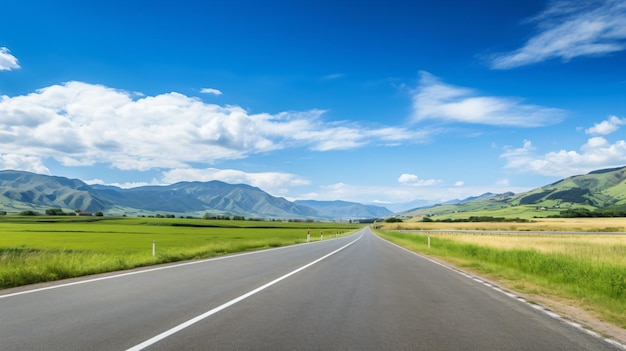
[
  {"x": 597, "y": 248},
  {"x": 539, "y": 224}
]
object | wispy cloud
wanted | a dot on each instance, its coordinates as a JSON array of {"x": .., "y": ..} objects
[
  {"x": 8, "y": 62},
  {"x": 436, "y": 100},
  {"x": 210, "y": 91},
  {"x": 84, "y": 124},
  {"x": 596, "y": 153},
  {"x": 333, "y": 76},
  {"x": 571, "y": 28}
]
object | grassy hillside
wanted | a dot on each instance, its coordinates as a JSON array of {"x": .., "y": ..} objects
[
  {"x": 598, "y": 190},
  {"x": 29, "y": 191}
]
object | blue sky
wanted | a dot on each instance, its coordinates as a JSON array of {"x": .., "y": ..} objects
[{"x": 369, "y": 101}]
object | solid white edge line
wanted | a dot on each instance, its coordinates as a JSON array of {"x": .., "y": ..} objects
[
  {"x": 516, "y": 297},
  {"x": 207, "y": 314},
  {"x": 141, "y": 271}
]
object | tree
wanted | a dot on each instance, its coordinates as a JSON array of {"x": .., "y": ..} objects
[
  {"x": 28, "y": 213},
  {"x": 99, "y": 214},
  {"x": 55, "y": 212}
]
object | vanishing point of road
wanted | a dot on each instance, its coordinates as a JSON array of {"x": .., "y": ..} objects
[{"x": 356, "y": 292}]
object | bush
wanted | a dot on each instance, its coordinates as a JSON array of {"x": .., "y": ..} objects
[
  {"x": 28, "y": 213},
  {"x": 55, "y": 212}
]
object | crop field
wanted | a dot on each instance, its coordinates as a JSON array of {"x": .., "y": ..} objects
[
  {"x": 587, "y": 271},
  {"x": 39, "y": 249}
]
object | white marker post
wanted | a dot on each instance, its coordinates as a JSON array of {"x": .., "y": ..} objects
[
  {"x": 308, "y": 236},
  {"x": 153, "y": 247},
  {"x": 429, "y": 241}
]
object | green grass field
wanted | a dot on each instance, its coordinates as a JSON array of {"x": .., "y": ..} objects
[
  {"x": 588, "y": 271},
  {"x": 39, "y": 249}
]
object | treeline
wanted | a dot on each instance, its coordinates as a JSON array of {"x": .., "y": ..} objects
[
  {"x": 476, "y": 219},
  {"x": 585, "y": 213},
  {"x": 55, "y": 212},
  {"x": 223, "y": 217}
]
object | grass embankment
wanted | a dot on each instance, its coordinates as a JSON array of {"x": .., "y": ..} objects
[
  {"x": 587, "y": 271},
  {"x": 39, "y": 249}
]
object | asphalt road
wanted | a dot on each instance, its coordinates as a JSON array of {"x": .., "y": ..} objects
[{"x": 351, "y": 293}]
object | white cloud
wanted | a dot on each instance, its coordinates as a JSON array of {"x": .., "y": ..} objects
[
  {"x": 210, "y": 91},
  {"x": 459, "y": 183},
  {"x": 413, "y": 180},
  {"x": 8, "y": 62},
  {"x": 83, "y": 124},
  {"x": 25, "y": 163},
  {"x": 571, "y": 28},
  {"x": 126, "y": 185},
  {"x": 596, "y": 153},
  {"x": 407, "y": 178},
  {"x": 434, "y": 99},
  {"x": 606, "y": 127}
]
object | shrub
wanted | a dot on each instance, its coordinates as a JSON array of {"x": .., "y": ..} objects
[{"x": 28, "y": 213}]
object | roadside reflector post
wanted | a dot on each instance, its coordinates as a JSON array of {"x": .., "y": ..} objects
[
  {"x": 153, "y": 247},
  {"x": 308, "y": 236},
  {"x": 429, "y": 241},
  {"x": 321, "y": 235}
]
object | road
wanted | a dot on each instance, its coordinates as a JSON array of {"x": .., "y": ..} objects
[{"x": 357, "y": 292}]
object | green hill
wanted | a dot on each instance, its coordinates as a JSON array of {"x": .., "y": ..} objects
[
  {"x": 24, "y": 190},
  {"x": 598, "y": 190}
]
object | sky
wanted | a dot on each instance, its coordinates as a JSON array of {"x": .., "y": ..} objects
[{"x": 379, "y": 102}]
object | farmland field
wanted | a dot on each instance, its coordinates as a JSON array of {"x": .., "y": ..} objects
[
  {"x": 583, "y": 274},
  {"x": 38, "y": 249}
]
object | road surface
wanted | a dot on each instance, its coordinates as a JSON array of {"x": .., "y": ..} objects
[{"x": 357, "y": 292}]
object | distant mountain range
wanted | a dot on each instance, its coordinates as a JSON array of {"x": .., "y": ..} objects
[
  {"x": 345, "y": 210},
  {"x": 598, "y": 190},
  {"x": 21, "y": 190}
]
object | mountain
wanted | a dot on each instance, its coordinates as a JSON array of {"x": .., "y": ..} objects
[
  {"x": 239, "y": 199},
  {"x": 23, "y": 190},
  {"x": 18, "y": 189},
  {"x": 345, "y": 210},
  {"x": 601, "y": 189},
  {"x": 598, "y": 189}
]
